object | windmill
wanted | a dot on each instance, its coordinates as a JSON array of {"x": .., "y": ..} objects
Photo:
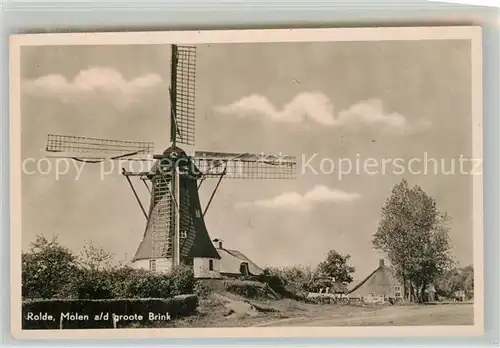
[{"x": 175, "y": 230}]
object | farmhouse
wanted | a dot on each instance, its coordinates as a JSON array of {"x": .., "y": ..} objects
[
  {"x": 234, "y": 262},
  {"x": 228, "y": 263},
  {"x": 379, "y": 286},
  {"x": 213, "y": 261}
]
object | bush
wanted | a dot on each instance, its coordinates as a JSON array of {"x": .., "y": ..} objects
[
  {"x": 143, "y": 283},
  {"x": 280, "y": 282},
  {"x": 100, "y": 313},
  {"x": 52, "y": 271},
  {"x": 46, "y": 269},
  {"x": 201, "y": 290},
  {"x": 242, "y": 288},
  {"x": 91, "y": 284},
  {"x": 121, "y": 277},
  {"x": 183, "y": 280},
  {"x": 147, "y": 284},
  {"x": 250, "y": 289},
  {"x": 126, "y": 282},
  {"x": 273, "y": 281}
]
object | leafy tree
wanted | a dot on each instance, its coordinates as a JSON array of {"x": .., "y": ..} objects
[
  {"x": 93, "y": 257},
  {"x": 289, "y": 281},
  {"x": 414, "y": 235},
  {"x": 456, "y": 279},
  {"x": 336, "y": 268},
  {"x": 98, "y": 276},
  {"x": 47, "y": 269},
  {"x": 52, "y": 271},
  {"x": 333, "y": 273},
  {"x": 468, "y": 273},
  {"x": 296, "y": 278}
]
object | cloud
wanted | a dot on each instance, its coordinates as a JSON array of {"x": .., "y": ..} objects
[
  {"x": 95, "y": 83},
  {"x": 317, "y": 107},
  {"x": 296, "y": 201},
  {"x": 371, "y": 113}
]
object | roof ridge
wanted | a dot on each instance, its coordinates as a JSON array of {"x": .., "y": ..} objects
[{"x": 366, "y": 279}]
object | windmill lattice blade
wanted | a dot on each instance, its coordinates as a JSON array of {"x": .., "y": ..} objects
[
  {"x": 245, "y": 165},
  {"x": 85, "y": 145},
  {"x": 185, "y": 94}
]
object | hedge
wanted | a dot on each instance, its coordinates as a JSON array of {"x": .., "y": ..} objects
[
  {"x": 248, "y": 289},
  {"x": 95, "y": 314}
]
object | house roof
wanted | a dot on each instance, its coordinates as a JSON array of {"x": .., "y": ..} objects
[
  {"x": 228, "y": 255},
  {"x": 381, "y": 280}
]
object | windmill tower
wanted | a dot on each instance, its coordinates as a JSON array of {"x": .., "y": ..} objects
[{"x": 175, "y": 230}]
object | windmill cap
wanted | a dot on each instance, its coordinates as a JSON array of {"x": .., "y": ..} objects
[{"x": 174, "y": 149}]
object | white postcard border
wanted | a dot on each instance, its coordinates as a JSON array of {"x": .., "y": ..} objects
[{"x": 472, "y": 33}]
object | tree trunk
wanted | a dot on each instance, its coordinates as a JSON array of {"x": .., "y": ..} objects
[
  {"x": 403, "y": 291},
  {"x": 412, "y": 294},
  {"x": 422, "y": 293},
  {"x": 418, "y": 293}
]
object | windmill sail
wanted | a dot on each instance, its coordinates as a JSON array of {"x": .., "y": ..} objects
[
  {"x": 98, "y": 148},
  {"x": 245, "y": 165},
  {"x": 183, "y": 92}
]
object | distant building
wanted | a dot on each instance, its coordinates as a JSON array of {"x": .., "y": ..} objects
[
  {"x": 380, "y": 286},
  {"x": 212, "y": 261},
  {"x": 234, "y": 262}
]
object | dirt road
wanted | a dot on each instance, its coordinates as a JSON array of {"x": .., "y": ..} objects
[{"x": 441, "y": 314}]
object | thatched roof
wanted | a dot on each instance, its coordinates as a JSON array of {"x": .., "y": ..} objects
[
  {"x": 233, "y": 259},
  {"x": 380, "y": 281}
]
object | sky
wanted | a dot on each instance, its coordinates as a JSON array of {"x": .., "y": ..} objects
[{"x": 324, "y": 103}]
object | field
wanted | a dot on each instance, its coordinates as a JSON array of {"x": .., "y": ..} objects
[
  {"x": 227, "y": 310},
  {"x": 452, "y": 314}
]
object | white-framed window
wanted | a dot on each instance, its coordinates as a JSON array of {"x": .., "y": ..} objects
[
  {"x": 397, "y": 294},
  {"x": 210, "y": 265},
  {"x": 152, "y": 265},
  {"x": 198, "y": 213},
  {"x": 183, "y": 235},
  {"x": 397, "y": 288}
]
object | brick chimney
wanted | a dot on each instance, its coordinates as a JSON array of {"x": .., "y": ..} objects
[
  {"x": 219, "y": 242},
  {"x": 381, "y": 263}
]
